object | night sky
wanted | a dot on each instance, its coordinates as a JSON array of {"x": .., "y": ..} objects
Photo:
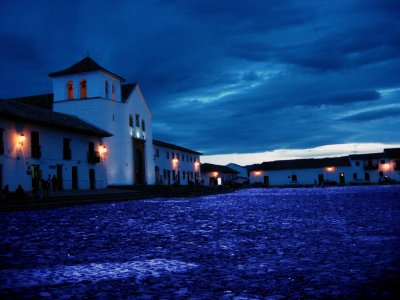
[{"x": 225, "y": 76}]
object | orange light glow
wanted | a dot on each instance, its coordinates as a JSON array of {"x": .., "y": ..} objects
[
  {"x": 103, "y": 149},
  {"x": 386, "y": 166},
  {"x": 257, "y": 173},
  {"x": 196, "y": 163},
  {"x": 215, "y": 174},
  {"x": 175, "y": 160},
  {"x": 329, "y": 169},
  {"x": 21, "y": 139}
]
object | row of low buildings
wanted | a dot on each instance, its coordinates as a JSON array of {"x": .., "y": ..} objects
[
  {"x": 371, "y": 168},
  {"x": 93, "y": 131}
]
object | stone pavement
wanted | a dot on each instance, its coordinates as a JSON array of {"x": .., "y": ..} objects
[{"x": 252, "y": 244}]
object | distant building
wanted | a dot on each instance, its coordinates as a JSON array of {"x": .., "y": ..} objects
[
  {"x": 213, "y": 175},
  {"x": 175, "y": 164},
  {"x": 355, "y": 169},
  {"x": 376, "y": 167},
  {"x": 242, "y": 171}
]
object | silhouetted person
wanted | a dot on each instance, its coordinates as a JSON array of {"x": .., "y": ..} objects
[
  {"x": 5, "y": 193},
  {"x": 20, "y": 193}
]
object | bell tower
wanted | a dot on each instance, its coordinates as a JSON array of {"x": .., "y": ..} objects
[{"x": 86, "y": 79}]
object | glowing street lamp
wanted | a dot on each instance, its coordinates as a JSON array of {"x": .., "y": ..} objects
[{"x": 21, "y": 139}]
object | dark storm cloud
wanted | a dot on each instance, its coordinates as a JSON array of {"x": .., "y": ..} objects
[{"x": 223, "y": 76}]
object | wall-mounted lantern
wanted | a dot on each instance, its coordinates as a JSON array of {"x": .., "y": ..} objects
[
  {"x": 21, "y": 139},
  {"x": 102, "y": 149}
]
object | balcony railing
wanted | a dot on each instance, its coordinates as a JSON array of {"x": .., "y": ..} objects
[
  {"x": 370, "y": 167},
  {"x": 94, "y": 157}
]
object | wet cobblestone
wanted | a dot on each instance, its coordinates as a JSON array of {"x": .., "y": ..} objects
[{"x": 252, "y": 244}]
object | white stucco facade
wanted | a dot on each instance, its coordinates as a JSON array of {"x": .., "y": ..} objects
[
  {"x": 175, "y": 165},
  {"x": 129, "y": 121},
  {"x": 370, "y": 168},
  {"x": 301, "y": 176},
  {"x": 19, "y": 166}
]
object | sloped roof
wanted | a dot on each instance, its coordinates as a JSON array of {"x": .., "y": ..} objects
[
  {"x": 85, "y": 65},
  {"x": 207, "y": 168},
  {"x": 126, "y": 90},
  {"x": 392, "y": 152},
  {"x": 42, "y": 101},
  {"x": 18, "y": 111},
  {"x": 172, "y": 146},
  {"x": 308, "y": 163},
  {"x": 366, "y": 156}
]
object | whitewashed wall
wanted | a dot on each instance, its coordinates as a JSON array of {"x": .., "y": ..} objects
[
  {"x": 17, "y": 161},
  {"x": 191, "y": 164},
  {"x": 385, "y": 165},
  {"x": 95, "y": 85},
  {"x": 225, "y": 177},
  {"x": 113, "y": 117},
  {"x": 304, "y": 176}
]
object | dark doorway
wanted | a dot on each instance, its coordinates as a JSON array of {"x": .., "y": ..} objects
[
  {"x": 59, "y": 178},
  {"x": 139, "y": 159},
  {"x": 36, "y": 176},
  {"x": 341, "y": 178},
  {"x": 1, "y": 176},
  {"x": 92, "y": 179},
  {"x": 266, "y": 180},
  {"x": 320, "y": 178},
  {"x": 75, "y": 178},
  {"x": 367, "y": 177},
  {"x": 169, "y": 177}
]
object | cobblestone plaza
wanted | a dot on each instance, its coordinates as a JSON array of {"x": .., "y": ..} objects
[{"x": 251, "y": 244}]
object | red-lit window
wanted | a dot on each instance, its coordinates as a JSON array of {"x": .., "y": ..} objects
[
  {"x": 83, "y": 89},
  {"x": 70, "y": 90},
  {"x": 113, "y": 92}
]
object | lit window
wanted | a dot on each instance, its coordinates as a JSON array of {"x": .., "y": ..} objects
[
  {"x": 113, "y": 92},
  {"x": 106, "y": 89},
  {"x": 130, "y": 121},
  {"x": 70, "y": 90},
  {"x": 83, "y": 89}
]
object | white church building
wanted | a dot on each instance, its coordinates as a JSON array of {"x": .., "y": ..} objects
[{"x": 105, "y": 123}]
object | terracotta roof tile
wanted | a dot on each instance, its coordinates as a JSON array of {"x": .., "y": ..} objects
[
  {"x": 18, "y": 111},
  {"x": 85, "y": 65},
  {"x": 172, "y": 146},
  {"x": 207, "y": 168},
  {"x": 42, "y": 101}
]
